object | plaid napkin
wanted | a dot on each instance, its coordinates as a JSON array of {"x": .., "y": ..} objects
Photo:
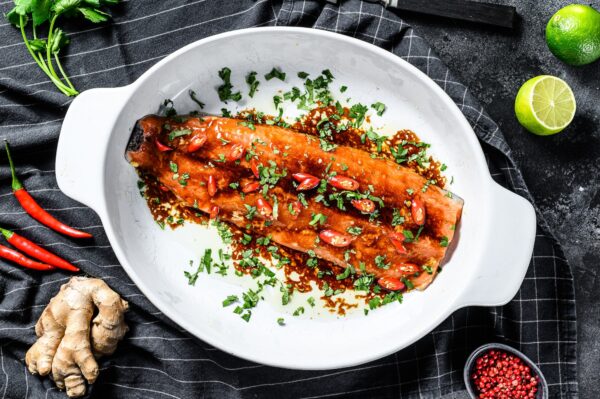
[{"x": 158, "y": 359}]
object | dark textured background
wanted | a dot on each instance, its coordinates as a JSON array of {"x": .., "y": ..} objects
[{"x": 562, "y": 170}]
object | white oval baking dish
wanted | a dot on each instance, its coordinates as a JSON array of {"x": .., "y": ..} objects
[{"x": 485, "y": 267}]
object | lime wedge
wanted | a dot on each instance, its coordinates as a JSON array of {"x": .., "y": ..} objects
[{"x": 545, "y": 105}]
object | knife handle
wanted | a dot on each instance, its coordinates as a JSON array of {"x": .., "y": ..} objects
[{"x": 464, "y": 10}]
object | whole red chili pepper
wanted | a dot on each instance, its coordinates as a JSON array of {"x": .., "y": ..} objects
[
  {"x": 22, "y": 260},
  {"x": 35, "y": 210},
  {"x": 35, "y": 251}
]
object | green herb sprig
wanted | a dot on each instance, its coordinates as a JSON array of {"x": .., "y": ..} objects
[{"x": 45, "y": 51}]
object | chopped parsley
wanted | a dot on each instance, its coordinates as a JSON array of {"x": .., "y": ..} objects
[
  {"x": 225, "y": 90},
  {"x": 252, "y": 83},
  {"x": 345, "y": 274},
  {"x": 192, "y": 94},
  {"x": 380, "y": 262},
  {"x": 354, "y": 230},
  {"x": 173, "y": 166},
  {"x": 178, "y": 133},
  {"x": 281, "y": 321},
  {"x": 299, "y": 311},
  {"x": 358, "y": 112},
  {"x": 275, "y": 73},
  {"x": 427, "y": 268},
  {"x": 317, "y": 218},
  {"x": 444, "y": 241},
  {"x": 229, "y": 300},
  {"x": 379, "y": 107}
]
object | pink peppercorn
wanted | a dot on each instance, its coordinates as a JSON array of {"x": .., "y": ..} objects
[{"x": 501, "y": 375}]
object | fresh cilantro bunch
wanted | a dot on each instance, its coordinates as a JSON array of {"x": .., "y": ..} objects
[{"x": 46, "y": 12}]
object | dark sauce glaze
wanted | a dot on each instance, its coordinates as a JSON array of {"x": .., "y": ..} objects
[{"x": 167, "y": 211}]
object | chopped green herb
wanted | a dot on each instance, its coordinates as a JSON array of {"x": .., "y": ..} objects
[
  {"x": 299, "y": 311},
  {"x": 192, "y": 94},
  {"x": 178, "y": 133},
  {"x": 247, "y": 124},
  {"x": 275, "y": 73},
  {"x": 427, "y": 268},
  {"x": 379, "y": 107},
  {"x": 354, "y": 230},
  {"x": 173, "y": 166},
  {"x": 311, "y": 301},
  {"x": 345, "y": 274},
  {"x": 302, "y": 75},
  {"x": 252, "y": 83},
  {"x": 225, "y": 90},
  {"x": 229, "y": 300},
  {"x": 285, "y": 298},
  {"x": 380, "y": 262},
  {"x": 358, "y": 112},
  {"x": 317, "y": 218},
  {"x": 343, "y": 89},
  {"x": 281, "y": 321},
  {"x": 444, "y": 241}
]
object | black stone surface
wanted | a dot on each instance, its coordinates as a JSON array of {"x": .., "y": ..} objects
[{"x": 562, "y": 171}]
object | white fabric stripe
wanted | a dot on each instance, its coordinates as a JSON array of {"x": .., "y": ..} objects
[{"x": 141, "y": 389}]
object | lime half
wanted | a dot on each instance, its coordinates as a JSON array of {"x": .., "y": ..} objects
[{"x": 545, "y": 105}]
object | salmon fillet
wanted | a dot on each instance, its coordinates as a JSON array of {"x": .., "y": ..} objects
[{"x": 208, "y": 163}]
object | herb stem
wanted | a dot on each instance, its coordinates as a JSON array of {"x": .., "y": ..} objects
[
  {"x": 49, "y": 46},
  {"x": 64, "y": 75},
  {"x": 64, "y": 89}
]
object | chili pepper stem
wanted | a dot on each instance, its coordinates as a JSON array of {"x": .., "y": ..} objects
[
  {"x": 6, "y": 233},
  {"x": 16, "y": 184}
]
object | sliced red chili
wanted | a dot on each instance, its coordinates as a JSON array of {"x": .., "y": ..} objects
[
  {"x": 235, "y": 152},
  {"x": 164, "y": 188},
  {"x": 343, "y": 183},
  {"x": 417, "y": 210},
  {"x": 404, "y": 269},
  {"x": 37, "y": 252},
  {"x": 296, "y": 209},
  {"x": 251, "y": 187},
  {"x": 22, "y": 260},
  {"x": 391, "y": 283},
  {"x": 197, "y": 142},
  {"x": 308, "y": 184},
  {"x": 300, "y": 177},
  {"x": 398, "y": 240},
  {"x": 264, "y": 208},
  {"x": 161, "y": 147},
  {"x": 214, "y": 211},
  {"x": 254, "y": 168},
  {"x": 211, "y": 186},
  {"x": 335, "y": 238},
  {"x": 364, "y": 205}
]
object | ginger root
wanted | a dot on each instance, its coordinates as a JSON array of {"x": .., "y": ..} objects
[{"x": 68, "y": 338}]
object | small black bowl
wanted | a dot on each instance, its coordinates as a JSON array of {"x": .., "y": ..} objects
[{"x": 542, "y": 392}]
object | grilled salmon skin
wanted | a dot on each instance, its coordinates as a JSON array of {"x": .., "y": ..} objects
[{"x": 348, "y": 207}]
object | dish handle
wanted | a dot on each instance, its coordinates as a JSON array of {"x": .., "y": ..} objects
[
  {"x": 508, "y": 252},
  {"x": 82, "y": 144}
]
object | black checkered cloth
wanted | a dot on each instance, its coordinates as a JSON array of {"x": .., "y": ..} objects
[{"x": 159, "y": 360}]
